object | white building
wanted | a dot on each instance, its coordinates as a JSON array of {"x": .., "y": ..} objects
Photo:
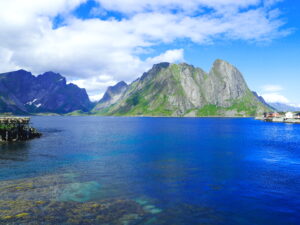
[{"x": 289, "y": 115}]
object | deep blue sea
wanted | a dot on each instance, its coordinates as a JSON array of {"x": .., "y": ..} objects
[{"x": 182, "y": 170}]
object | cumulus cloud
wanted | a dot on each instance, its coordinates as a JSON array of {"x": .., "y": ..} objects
[
  {"x": 96, "y": 83},
  {"x": 275, "y": 97},
  {"x": 272, "y": 94},
  {"x": 134, "y": 6},
  {"x": 272, "y": 88},
  {"x": 95, "y": 53}
]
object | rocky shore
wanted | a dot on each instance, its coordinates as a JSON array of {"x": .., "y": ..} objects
[{"x": 16, "y": 129}]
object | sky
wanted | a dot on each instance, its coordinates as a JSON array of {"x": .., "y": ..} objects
[{"x": 96, "y": 43}]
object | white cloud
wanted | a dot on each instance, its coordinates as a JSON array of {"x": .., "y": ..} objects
[
  {"x": 275, "y": 97},
  {"x": 96, "y": 98},
  {"x": 272, "y": 94},
  {"x": 95, "y": 53},
  {"x": 272, "y": 88},
  {"x": 175, "y": 55},
  {"x": 98, "y": 84},
  {"x": 136, "y": 6}
]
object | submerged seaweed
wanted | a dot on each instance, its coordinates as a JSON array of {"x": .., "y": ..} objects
[
  {"x": 55, "y": 212},
  {"x": 58, "y": 199}
]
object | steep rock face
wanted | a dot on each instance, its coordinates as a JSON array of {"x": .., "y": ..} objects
[
  {"x": 224, "y": 83},
  {"x": 183, "y": 90},
  {"x": 21, "y": 92},
  {"x": 112, "y": 95}
]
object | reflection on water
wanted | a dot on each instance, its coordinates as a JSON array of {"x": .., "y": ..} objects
[
  {"x": 106, "y": 170},
  {"x": 17, "y": 151}
]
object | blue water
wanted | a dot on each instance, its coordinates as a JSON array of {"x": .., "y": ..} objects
[{"x": 194, "y": 170}]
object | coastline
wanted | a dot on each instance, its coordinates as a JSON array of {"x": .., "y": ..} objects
[
  {"x": 137, "y": 116},
  {"x": 279, "y": 120}
]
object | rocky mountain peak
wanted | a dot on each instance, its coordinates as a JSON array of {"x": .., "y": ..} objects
[
  {"x": 156, "y": 68},
  {"x": 48, "y": 92},
  {"x": 225, "y": 69},
  {"x": 52, "y": 77},
  {"x": 161, "y": 65},
  {"x": 19, "y": 73},
  {"x": 112, "y": 95},
  {"x": 184, "y": 90},
  {"x": 119, "y": 85}
]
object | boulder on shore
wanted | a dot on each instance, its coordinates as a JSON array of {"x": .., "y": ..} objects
[{"x": 16, "y": 129}]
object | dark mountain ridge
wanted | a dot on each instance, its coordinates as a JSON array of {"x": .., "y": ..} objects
[{"x": 22, "y": 93}]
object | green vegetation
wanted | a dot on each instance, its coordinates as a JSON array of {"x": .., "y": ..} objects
[
  {"x": 135, "y": 99},
  {"x": 209, "y": 110},
  {"x": 7, "y": 126},
  {"x": 78, "y": 113},
  {"x": 46, "y": 114},
  {"x": 175, "y": 70},
  {"x": 248, "y": 104}
]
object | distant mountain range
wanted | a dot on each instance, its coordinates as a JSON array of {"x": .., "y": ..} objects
[
  {"x": 165, "y": 90},
  {"x": 183, "y": 90},
  {"x": 23, "y": 93},
  {"x": 281, "y": 107}
]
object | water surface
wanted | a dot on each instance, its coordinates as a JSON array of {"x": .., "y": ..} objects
[{"x": 155, "y": 171}]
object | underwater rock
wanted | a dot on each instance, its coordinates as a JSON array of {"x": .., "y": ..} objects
[
  {"x": 114, "y": 212},
  {"x": 80, "y": 192},
  {"x": 36, "y": 188},
  {"x": 58, "y": 199},
  {"x": 147, "y": 206}
]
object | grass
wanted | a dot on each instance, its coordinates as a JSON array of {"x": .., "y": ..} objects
[
  {"x": 6, "y": 126},
  {"x": 209, "y": 110}
]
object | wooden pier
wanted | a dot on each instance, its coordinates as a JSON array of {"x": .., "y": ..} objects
[{"x": 14, "y": 120}]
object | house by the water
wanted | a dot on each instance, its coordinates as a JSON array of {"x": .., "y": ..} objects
[{"x": 288, "y": 117}]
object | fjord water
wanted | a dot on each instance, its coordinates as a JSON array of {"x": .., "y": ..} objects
[{"x": 183, "y": 170}]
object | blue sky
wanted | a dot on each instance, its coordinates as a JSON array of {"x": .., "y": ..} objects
[{"x": 95, "y": 43}]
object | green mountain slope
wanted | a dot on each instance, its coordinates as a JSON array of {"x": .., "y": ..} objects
[{"x": 183, "y": 90}]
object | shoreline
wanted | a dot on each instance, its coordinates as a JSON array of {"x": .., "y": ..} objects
[
  {"x": 279, "y": 120},
  {"x": 137, "y": 116}
]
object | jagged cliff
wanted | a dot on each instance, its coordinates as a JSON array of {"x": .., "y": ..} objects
[
  {"x": 112, "y": 95},
  {"x": 183, "y": 90},
  {"x": 21, "y": 93}
]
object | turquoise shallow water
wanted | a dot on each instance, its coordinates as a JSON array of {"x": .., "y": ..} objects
[{"x": 160, "y": 170}]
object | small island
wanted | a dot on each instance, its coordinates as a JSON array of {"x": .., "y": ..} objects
[{"x": 16, "y": 129}]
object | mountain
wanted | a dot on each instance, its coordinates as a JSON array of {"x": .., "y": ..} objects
[
  {"x": 21, "y": 93},
  {"x": 112, "y": 95},
  {"x": 281, "y": 107},
  {"x": 183, "y": 90},
  {"x": 262, "y": 100}
]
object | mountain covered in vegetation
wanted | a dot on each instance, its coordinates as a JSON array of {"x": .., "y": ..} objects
[
  {"x": 112, "y": 95},
  {"x": 183, "y": 90},
  {"x": 23, "y": 93}
]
